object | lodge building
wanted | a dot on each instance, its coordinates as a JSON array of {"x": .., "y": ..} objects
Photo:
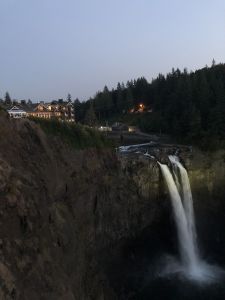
[{"x": 60, "y": 110}]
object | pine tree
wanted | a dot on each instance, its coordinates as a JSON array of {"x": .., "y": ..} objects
[
  {"x": 203, "y": 98},
  {"x": 108, "y": 102},
  {"x": 8, "y": 100},
  {"x": 77, "y": 110},
  {"x": 69, "y": 99},
  {"x": 218, "y": 113},
  {"x": 129, "y": 99},
  {"x": 90, "y": 116},
  {"x": 195, "y": 126},
  {"x": 120, "y": 100}
]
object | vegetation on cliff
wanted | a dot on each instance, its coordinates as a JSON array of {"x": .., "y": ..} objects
[{"x": 75, "y": 135}]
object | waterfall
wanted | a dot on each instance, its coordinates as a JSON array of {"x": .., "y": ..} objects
[
  {"x": 182, "y": 203},
  {"x": 185, "y": 238},
  {"x": 187, "y": 198}
]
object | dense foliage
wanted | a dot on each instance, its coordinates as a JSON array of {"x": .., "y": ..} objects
[
  {"x": 188, "y": 105},
  {"x": 75, "y": 135}
]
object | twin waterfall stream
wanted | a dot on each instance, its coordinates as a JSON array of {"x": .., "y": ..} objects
[{"x": 191, "y": 265}]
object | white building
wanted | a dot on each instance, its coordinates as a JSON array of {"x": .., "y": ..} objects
[{"x": 16, "y": 112}]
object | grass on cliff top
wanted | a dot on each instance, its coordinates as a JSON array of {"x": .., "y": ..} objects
[{"x": 75, "y": 135}]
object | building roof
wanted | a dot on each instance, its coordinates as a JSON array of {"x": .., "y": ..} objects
[{"x": 16, "y": 109}]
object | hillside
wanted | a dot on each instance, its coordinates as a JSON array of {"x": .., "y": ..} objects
[{"x": 190, "y": 106}]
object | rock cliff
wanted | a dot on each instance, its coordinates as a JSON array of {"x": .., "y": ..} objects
[
  {"x": 63, "y": 211},
  {"x": 60, "y": 210}
]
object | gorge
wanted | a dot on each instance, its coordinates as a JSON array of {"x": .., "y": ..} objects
[{"x": 91, "y": 224}]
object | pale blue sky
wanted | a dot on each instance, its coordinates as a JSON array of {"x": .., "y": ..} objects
[{"x": 51, "y": 47}]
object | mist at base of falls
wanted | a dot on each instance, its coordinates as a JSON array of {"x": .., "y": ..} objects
[
  {"x": 148, "y": 267},
  {"x": 203, "y": 273}
]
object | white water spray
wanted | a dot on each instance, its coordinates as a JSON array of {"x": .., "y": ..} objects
[{"x": 181, "y": 198}]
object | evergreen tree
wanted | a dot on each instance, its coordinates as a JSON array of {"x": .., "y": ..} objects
[
  {"x": 77, "y": 110},
  {"x": 203, "y": 98},
  {"x": 99, "y": 104},
  {"x": 129, "y": 99},
  {"x": 108, "y": 101},
  {"x": 8, "y": 100},
  {"x": 195, "y": 132},
  {"x": 120, "y": 103},
  {"x": 90, "y": 116},
  {"x": 218, "y": 113},
  {"x": 69, "y": 99}
]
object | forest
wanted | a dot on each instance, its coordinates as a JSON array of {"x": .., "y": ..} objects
[{"x": 190, "y": 106}]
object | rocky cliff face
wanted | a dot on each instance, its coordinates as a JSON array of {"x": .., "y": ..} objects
[
  {"x": 63, "y": 211},
  {"x": 134, "y": 270},
  {"x": 207, "y": 178}
]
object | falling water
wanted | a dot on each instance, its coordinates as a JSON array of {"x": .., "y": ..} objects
[
  {"x": 181, "y": 198},
  {"x": 186, "y": 244},
  {"x": 187, "y": 199}
]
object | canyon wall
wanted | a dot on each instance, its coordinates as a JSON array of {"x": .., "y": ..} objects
[
  {"x": 63, "y": 210},
  {"x": 60, "y": 210}
]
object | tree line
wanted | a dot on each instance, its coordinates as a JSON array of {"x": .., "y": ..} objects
[{"x": 187, "y": 105}]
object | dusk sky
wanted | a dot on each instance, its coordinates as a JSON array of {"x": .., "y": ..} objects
[{"x": 49, "y": 48}]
